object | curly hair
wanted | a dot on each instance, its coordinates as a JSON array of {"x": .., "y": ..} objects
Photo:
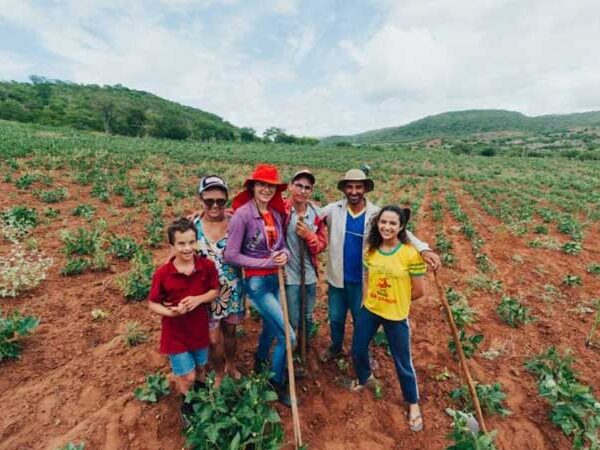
[
  {"x": 374, "y": 238},
  {"x": 180, "y": 225}
]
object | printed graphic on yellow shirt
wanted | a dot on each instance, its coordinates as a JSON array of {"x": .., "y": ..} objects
[{"x": 383, "y": 290}]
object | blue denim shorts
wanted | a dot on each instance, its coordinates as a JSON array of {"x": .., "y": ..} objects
[{"x": 184, "y": 363}]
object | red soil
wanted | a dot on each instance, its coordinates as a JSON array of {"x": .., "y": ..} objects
[{"x": 75, "y": 379}]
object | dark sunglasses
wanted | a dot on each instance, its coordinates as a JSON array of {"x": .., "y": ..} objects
[
  {"x": 210, "y": 202},
  {"x": 303, "y": 187}
]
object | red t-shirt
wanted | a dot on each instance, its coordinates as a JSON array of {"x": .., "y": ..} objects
[
  {"x": 271, "y": 235},
  {"x": 189, "y": 331}
]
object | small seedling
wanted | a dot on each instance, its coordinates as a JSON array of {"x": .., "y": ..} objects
[
  {"x": 134, "y": 334},
  {"x": 99, "y": 315},
  {"x": 512, "y": 312},
  {"x": 469, "y": 344},
  {"x": 155, "y": 387},
  {"x": 572, "y": 280},
  {"x": 71, "y": 446}
]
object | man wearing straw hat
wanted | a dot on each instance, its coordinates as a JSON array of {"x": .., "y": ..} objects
[{"x": 347, "y": 221}]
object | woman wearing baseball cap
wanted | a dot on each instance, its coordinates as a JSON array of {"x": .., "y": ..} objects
[
  {"x": 227, "y": 310},
  {"x": 257, "y": 243}
]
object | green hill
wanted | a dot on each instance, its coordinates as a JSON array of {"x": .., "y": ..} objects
[
  {"x": 111, "y": 109},
  {"x": 465, "y": 123}
]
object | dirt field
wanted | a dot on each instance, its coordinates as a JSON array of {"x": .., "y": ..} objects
[{"x": 76, "y": 378}]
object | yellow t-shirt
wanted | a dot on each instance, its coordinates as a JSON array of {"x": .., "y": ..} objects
[{"x": 388, "y": 287}]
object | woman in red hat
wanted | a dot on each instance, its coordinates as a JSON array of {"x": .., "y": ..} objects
[{"x": 256, "y": 242}]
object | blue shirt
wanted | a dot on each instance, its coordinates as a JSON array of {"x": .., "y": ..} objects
[{"x": 353, "y": 247}]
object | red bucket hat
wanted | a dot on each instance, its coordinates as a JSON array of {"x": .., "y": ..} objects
[{"x": 265, "y": 173}]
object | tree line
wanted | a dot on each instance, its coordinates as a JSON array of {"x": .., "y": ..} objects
[{"x": 122, "y": 111}]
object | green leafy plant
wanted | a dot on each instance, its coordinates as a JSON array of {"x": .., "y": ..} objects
[
  {"x": 23, "y": 183},
  {"x": 84, "y": 249},
  {"x": 17, "y": 222},
  {"x": 572, "y": 280},
  {"x": 236, "y": 415},
  {"x": 466, "y": 434},
  {"x": 123, "y": 247},
  {"x": 135, "y": 334},
  {"x": 51, "y": 213},
  {"x": 513, "y": 312},
  {"x": 155, "y": 387},
  {"x": 572, "y": 248},
  {"x": 463, "y": 314},
  {"x": 86, "y": 211},
  {"x": 593, "y": 268},
  {"x": 52, "y": 196},
  {"x": 574, "y": 409},
  {"x": 469, "y": 344},
  {"x": 135, "y": 284},
  {"x": 155, "y": 228},
  {"x": 491, "y": 398},
  {"x": 12, "y": 328},
  {"x": 71, "y": 446}
]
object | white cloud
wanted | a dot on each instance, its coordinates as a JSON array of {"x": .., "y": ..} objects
[
  {"x": 285, "y": 7},
  {"x": 12, "y": 66},
  {"x": 397, "y": 62},
  {"x": 319, "y": 77}
]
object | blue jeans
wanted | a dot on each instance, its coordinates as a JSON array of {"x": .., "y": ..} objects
[
  {"x": 293, "y": 293},
  {"x": 397, "y": 333},
  {"x": 263, "y": 292},
  {"x": 340, "y": 300}
]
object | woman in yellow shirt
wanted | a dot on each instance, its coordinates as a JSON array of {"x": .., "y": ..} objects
[{"x": 393, "y": 278}]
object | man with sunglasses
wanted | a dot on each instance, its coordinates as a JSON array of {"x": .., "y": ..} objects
[
  {"x": 227, "y": 310},
  {"x": 306, "y": 237}
]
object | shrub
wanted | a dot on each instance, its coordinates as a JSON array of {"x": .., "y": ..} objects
[
  {"x": 236, "y": 415},
  {"x": 85, "y": 211},
  {"x": 135, "y": 284},
  {"x": 17, "y": 222},
  {"x": 22, "y": 271},
  {"x": 52, "y": 196},
  {"x": 13, "y": 327},
  {"x": 155, "y": 387},
  {"x": 123, "y": 247}
]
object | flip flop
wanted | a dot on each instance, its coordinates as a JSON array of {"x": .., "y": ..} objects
[{"x": 413, "y": 424}]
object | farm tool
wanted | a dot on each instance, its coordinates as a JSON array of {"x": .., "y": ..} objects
[
  {"x": 461, "y": 355},
  {"x": 303, "y": 334},
  {"x": 290, "y": 361}
]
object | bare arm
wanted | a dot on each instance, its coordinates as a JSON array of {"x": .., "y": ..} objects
[
  {"x": 417, "y": 287},
  {"x": 193, "y": 301},
  {"x": 167, "y": 311}
]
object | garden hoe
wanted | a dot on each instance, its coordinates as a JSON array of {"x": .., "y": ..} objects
[
  {"x": 461, "y": 356},
  {"x": 290, "y": 361}
]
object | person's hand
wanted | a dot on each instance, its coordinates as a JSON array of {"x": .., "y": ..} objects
[
  {"x": 193, "y": 216},
  {"x": 302, "y": 230},
  {"x": 280, "y": 259},
  {"x": 189, "y": 303},
  {"x": 177, "y": 310},
  {"x": 432, "y": 259}
]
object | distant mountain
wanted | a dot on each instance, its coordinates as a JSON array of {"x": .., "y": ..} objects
[
  {"x": 111, "y": 109},
  {"x": 464, "y": 123}
]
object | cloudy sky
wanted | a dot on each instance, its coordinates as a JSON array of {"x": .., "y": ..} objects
[{"x": 317, "y": 67}]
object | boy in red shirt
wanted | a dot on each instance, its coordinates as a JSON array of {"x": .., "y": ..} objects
[{"x": 181, "y": 292}]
